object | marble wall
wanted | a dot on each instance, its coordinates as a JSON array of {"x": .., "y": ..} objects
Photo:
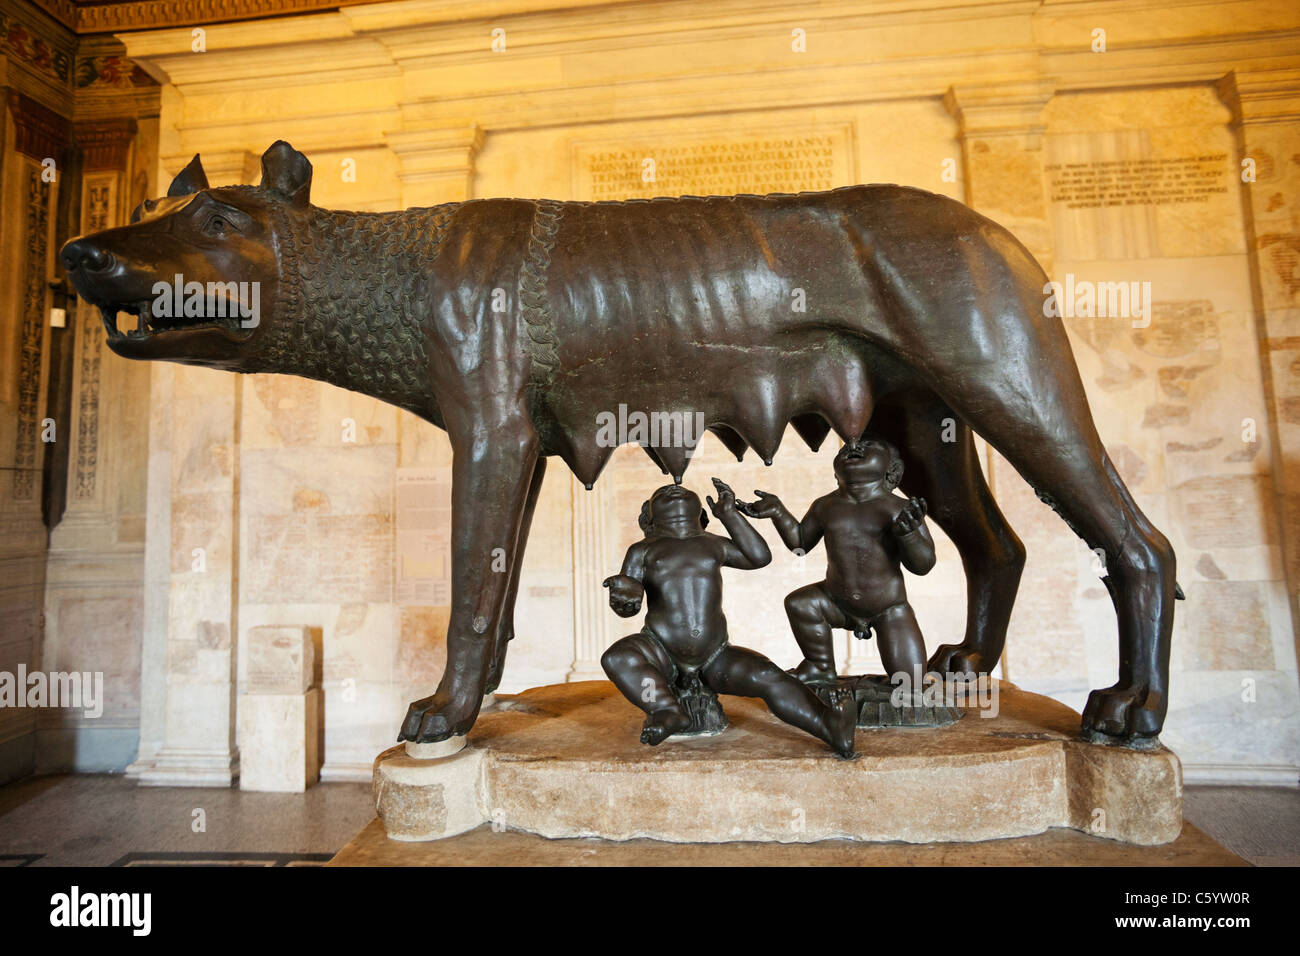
[
  {"x": 1145, "y": 187},
  {"x": 320, "y": 508}
]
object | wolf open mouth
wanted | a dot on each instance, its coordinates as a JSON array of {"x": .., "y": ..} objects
[{"x": 147, "y": 324}]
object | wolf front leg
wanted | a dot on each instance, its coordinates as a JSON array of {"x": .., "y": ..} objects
[
  {"x": 506, "y": 626},
  {"x": 491, "y": 475}
]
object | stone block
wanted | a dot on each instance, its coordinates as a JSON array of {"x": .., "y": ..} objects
[
  {"x": 279, "y": 741},
  {"x": 280, "y": 660}
]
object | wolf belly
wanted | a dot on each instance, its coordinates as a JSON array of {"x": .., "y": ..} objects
[{"x": 760, "y": 290}]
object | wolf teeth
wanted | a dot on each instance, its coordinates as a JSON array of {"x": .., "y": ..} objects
[
  {"x": 109, "y": 317},
  {"x": 145, "y": 327}
]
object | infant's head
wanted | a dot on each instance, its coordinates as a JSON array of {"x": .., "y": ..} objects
[
  {"x": 671, "y": 501},
  {"x": 870, "y": 458}
]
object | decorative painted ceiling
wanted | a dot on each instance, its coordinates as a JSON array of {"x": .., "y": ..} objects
[{"x": 115, "y": 16}]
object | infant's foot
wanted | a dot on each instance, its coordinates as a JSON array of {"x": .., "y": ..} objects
[
  {"x": 813, "y": 672},
  {"x": 841, "y": 720},
  {"x": 662, "y": 724}
]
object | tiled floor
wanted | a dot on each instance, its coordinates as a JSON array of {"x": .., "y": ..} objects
[
  {"x": 1259, "y": 824},
  {"x": 98, "y": 820},
  {"x": 93, "y": 820}
]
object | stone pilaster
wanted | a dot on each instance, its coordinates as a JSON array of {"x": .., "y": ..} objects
[
  {"x": 95, "y": 561},
  {"x": 591, "y": 613},
  {"x": 1001, "y": 131},
  {"x": 194, "y": 465},
  {"x": 27, "y": 230},
  {"x": 156, "y": 612},
  {"x": 106, "y": 150},
  {"x": 199, "y": 723},
  {"x": 436, "y": 164},
  {"x": 1265, "y": 108}
]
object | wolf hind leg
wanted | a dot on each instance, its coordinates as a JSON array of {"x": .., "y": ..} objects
[{"x": 1057, "y": 450}]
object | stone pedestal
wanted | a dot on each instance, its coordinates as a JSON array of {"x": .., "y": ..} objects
[
  {"x": 566, "y": 761},
  {"x": 280, "y": 715},
  {"x": 279, "y": 741}
]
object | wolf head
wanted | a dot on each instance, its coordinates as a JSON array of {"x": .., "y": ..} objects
[{"x": 200, "y": 269}]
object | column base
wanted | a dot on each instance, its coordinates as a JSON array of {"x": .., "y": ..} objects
[{"x": 191, "y": 768}]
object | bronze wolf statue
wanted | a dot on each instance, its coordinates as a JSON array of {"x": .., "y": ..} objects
[{"x": 513, "y": 323}]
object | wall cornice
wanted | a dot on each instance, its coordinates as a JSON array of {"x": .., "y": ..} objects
[{"x": 587, "y": 62}]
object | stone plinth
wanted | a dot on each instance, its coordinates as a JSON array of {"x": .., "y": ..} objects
[
  {"x": 566, "y": 761},
  {"x": 279, "y": 741}
]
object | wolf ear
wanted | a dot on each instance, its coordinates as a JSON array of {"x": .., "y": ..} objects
[
  {"x": 189, "y": 180},
  {"x": 287, "y": 173}
]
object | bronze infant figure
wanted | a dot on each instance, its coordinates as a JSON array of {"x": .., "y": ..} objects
[
  {"x": 869, "y": 532},
  {"x": 683, "y": 653}
]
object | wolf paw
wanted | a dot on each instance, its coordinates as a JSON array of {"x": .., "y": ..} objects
[
  {"x": 958, "y": 659},
  {"x": 1122, "y": 711},
  {"x": 438, "y": 717}
]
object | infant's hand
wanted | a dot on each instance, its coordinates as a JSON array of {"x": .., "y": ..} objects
[
  {"x": 726, "y": 499},
  {"x": 767, "y": 506},
  {"x": 624, "y": 594},
  {"x": 910, "y": 518}
]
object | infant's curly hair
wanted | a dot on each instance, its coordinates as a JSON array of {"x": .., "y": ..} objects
[
  {"x": 894, "y": 474},
  {"x": 646, "y": 519}
]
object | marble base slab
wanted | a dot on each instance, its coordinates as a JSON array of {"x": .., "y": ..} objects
[{"x": 566, "y": 761}]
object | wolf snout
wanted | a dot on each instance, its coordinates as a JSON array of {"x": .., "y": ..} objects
[{"x": 86, "y": 255}]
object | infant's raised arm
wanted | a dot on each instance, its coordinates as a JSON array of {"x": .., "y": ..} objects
[{"x": 915, "y": 546}]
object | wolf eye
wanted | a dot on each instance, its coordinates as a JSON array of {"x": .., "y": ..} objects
[
  {"x": 138, "y": 213},
  {"x": 216, "y": 226}
]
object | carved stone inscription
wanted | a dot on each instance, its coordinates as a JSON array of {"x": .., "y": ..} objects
[
  {"x": 1154, "y": 181},
  {"x": 760, "y": 162},
  {"x": 423, "y": 570}
]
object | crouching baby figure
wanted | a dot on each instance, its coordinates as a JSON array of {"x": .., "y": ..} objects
[{"x": 673, "y": 668}]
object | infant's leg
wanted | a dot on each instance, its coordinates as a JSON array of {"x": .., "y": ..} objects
[
  {"x": 902, "y": 649},
  {"x": 812, "y": 616},
  {"x": 642, "y": 670},
  {"x": 746, "y": 673}
]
